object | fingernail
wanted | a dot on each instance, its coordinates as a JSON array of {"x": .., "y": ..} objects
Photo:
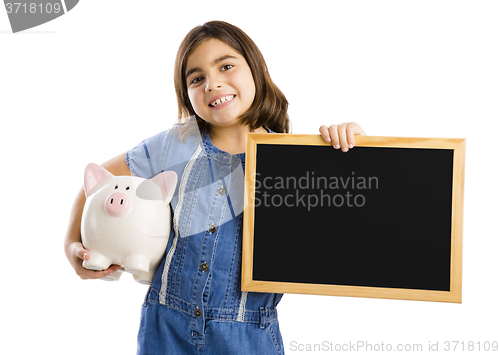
[
  {"x": 351, "y": 145},
  {"x": 337, "y": 146},
  {"x": 84, "y": 256},
  {"x": 345, "y": 150},
  {"x": 327, "y": 139}
]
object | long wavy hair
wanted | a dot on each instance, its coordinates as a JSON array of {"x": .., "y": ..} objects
[{"x": 270, "y": 106}]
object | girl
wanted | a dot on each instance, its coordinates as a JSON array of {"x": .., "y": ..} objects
[{"x": 195, "y": 305}]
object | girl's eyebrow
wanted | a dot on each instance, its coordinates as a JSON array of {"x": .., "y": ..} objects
[{"x": 215, "y": 62}]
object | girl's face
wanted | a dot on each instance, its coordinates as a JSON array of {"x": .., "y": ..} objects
[{"x": 219, "y": 82}]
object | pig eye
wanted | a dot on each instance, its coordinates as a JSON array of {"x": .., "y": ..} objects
[
  {"x": 127, "y": 188},
  {"x": 116, "y": 187}
]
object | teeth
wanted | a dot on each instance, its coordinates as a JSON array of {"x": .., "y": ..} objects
[{"x": 222, "y": 100}]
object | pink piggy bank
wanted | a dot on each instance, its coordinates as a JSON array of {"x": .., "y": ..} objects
[{"x": 126, "y": 221}]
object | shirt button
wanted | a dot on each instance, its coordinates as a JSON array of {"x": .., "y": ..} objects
[
  {"x": 212, "y": 228},
  {"x": 204, "y": 267},
  {"x": 197, "y": 313},
  {"x": 221, "y": 191}
]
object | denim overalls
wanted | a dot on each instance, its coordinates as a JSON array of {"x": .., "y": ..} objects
[{"x": 194, "y": 304}]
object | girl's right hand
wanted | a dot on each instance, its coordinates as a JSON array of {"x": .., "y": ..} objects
[{"x": 76, "y": 253}]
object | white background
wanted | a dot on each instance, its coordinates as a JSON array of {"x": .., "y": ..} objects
[{"x": 96, "y": 81}]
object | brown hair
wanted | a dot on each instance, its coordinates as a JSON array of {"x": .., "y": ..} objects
[{"x": 269, "y": 108}]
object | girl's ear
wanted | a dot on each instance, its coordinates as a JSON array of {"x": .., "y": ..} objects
[{"x": 93, "y": 175}]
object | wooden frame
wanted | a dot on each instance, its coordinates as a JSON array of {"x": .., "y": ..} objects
[{"x": 455, "y": 293}]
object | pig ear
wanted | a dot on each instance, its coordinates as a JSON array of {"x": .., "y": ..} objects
[
  {"x": 94, "y": 174},
  {"x": 167, "y": 182}
]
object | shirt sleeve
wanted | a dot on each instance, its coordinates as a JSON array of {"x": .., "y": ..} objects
[{"x": 146, "y": 159}]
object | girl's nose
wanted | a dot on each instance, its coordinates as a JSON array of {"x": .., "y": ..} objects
[{"x": 212, "y": 84}]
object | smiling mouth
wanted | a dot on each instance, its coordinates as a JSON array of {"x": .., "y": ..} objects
[{"x": 222, "y": 100}]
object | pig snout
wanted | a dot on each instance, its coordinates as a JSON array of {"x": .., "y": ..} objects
[{"x": 117, "y": 204}]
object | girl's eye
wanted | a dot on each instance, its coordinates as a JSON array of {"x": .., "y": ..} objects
[
  {"x": 196, "y": 80},
  {"x": 227, "y": 67}
]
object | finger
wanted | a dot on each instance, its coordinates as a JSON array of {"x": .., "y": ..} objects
[
  {"x": 334, "y": 136},
  {"x": 353, "y": 129},
  {"x": 92, "y": 275},
  {"x": 115, "y": 267},
  {"x": 343, "y": 137},
  {"x": 358, "y": 131},
  {"x": 350, "y": 132},
  {"x": 323, "y": 130},
  {"x": 81, "y": 252}
]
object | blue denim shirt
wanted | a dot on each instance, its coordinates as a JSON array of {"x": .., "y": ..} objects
[{"x": 201, "y": 272}]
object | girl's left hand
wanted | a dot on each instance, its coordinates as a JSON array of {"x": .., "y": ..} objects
[{"x": 341, "y": 136}]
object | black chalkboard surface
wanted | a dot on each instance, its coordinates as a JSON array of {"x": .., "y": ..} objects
[{"x": 383, "y": 220}]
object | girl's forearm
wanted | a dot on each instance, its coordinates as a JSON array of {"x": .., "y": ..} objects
[{"x": 75, "y": 219}]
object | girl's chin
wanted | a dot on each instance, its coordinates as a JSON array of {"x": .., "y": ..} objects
[
  {"x": 224, "y": 123},
  {"x": 223, "y": 119}
]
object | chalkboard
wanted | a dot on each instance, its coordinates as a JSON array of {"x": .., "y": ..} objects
[{"x": 383, "y": 220}]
